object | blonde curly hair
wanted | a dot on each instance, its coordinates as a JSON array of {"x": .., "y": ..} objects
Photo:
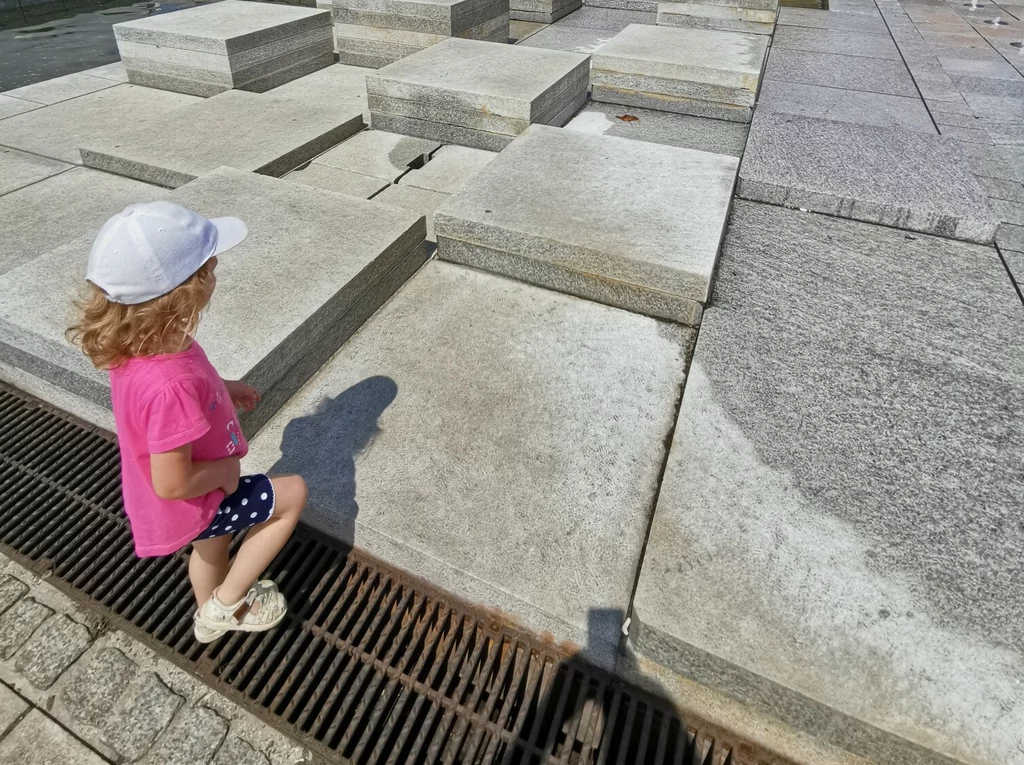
[{"x": 110, "y": 333}]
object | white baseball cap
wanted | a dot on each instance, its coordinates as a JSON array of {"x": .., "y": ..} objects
[{"x": 148, "y": 249}]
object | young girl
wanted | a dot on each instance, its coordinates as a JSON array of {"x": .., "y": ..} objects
[{"x": 151, "y": 274}]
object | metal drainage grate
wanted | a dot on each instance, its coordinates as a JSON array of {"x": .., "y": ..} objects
[{"x": 372, "y": 666}]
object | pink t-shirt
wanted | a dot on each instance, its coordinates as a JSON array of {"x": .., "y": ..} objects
[{"x": 161, "y": 403}]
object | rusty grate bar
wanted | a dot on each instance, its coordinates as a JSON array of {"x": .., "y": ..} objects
[{"x": 371, "y": 665}]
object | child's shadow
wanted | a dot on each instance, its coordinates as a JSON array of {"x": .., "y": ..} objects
[{"x": 322, "y": 448}]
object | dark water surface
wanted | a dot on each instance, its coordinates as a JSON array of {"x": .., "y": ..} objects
[{"x": 64, "y": 38}]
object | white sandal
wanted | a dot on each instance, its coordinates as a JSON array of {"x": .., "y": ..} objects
[{"x": 216, "y": 619}]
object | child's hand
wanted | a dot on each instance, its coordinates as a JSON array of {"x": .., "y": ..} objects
[{"x": 244, "y": 397}]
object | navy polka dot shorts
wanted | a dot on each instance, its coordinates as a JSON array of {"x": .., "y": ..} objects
[{"x": 251, "y": 504}]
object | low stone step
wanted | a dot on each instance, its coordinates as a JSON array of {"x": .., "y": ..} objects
[
  {"x": 892, "y": 176},
  {"x": 840, "y": 507},
  {"x": 231, "y": 44},
  {"x": 260, "y": 133},
  {"x": 705, "y": 73},
  {"x": 60, "y": 208},
  {"x": 722, "y": 17},
  {"x": 542, "y": 11},
  {"x": 476, "y": 93},
  {"x": 629, "y": 223},
  {"x": 497, "y": 439},
  {"x": 683, "y": 130},
  {"x": 337, "y": 84},
  {"x": 314, "y": 266},
  {"x": 60, "y": 130}
]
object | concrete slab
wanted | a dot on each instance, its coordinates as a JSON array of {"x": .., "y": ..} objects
[
  {"x": 60, "y": 88},
  {"x": 880, "y": 175},
  {"x": 722, "y": 17},
  {"x": 367, "y": 45},
  {"x": 845, "y": 106},
  {"x": 726, "y": 60},
  {"x": 379, "y": 154},
  {"x": 43, "y": 215},
  {"x": 340, "y": 181},
  {"x": 11, "y": 106},
  {"x": 607, "y": 18},
  {"x": 344, "y": 258},
  {"x": 418, "y": 200},
  {"x": 843, "y": 546},
  {"x": 520, "y": 30},
  {"x": 18, "y": 169},
  {"x": 265, "y": 134},
  {"x": 870, "y": 75},
  {"x": 573, "y": 39},
  {"x": 508, "y": 81},
  {"x": 58, "y": 131},
  {"x": 644, "y": 6},
  {"x": 702, "y": 72},
  {"x": 544, "y": 11},
  {"x": 847, "y": 22},
  {"x": 477, "y": 93},
  {"x": 836, "y": 41},
  {"x": 336, "y": 84},
  {"x": 628, "y": 223},
  {"x": 451, "y": 168},
  {"x": 115, "y": 71},
  {"x": 546, "y": 410},
  {"x": 223, "y": 28},
  {"x": 212, "y": 48},
  {"x": 683, "y": 130}
]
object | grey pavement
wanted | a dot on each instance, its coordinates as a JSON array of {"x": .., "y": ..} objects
[{"x": 74, "y": 691}]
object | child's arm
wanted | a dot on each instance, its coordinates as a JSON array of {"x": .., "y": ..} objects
[{"x": 176, "y": 476}]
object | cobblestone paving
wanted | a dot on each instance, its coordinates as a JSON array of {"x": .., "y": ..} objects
[{"x": 74, "y": 691}]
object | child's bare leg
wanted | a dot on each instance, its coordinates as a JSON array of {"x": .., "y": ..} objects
[
  {"x": 208, "y": 565},
  {"x": 266, "y": 539}
]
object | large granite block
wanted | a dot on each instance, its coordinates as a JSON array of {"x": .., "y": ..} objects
[
  {"x": 632, "y": 224},
  {"x": 509, "y": 422},
  {"x": 262, "y": 133},
  {"x": 881, "y": 175},
  {"x": 43, "y": 215},
  {"x": 231, "y": 44},
  {"x": 18, "y": 169},
  {"x": 643, "y": 6},
  {"x": 382, "y": 155},
  {"x": 374, "y": 33},
  {"x": 683, "y": 130},
  {"x": 542, "y": 11},
  {"x": 839, "y": 516},
  {"x": 858, "y": 107},
  {"x": 457, "y": 89},
  {"x": 607, "y": 18},
  {"x": 314, "y": 266},
  {"x": 723, "y": 17},
  {"x": 58, "y": 131},
  {"x": 871, "y": 75},
  {"x": 706, "y": 73}
]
